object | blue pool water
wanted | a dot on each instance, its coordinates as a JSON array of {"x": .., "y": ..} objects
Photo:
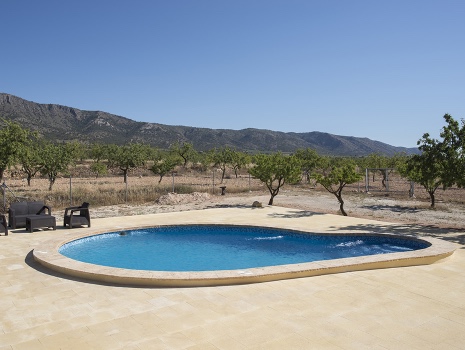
[{"x": 213, "y": 247}]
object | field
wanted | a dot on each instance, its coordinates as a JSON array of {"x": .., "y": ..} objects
[
  {"x": 110, "y": 196},
  {"x": 142, "y": 187}
]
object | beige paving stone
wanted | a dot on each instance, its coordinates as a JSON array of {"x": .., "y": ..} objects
[
  {"x": 226, "y": 342},
  {"x": 200, "y": 334},
  {"x": 420, "y": 307},
  {"x": 177, "y": 340},
  {"x": 30, "y": 345},
  {"x": 296, "y": 342},
  {"x": 202, "y": 346},
  {"x": 153, "y": 343}
]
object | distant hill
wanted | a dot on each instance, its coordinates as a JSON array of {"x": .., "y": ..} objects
[{"x": 67, "y": 123}]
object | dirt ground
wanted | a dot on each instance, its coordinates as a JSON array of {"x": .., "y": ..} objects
[
  {"x": 393, "y": 206},
  {"x": 447, "y": 216}
]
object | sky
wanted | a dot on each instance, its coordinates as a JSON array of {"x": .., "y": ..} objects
[{"x": 385, "y": 70}]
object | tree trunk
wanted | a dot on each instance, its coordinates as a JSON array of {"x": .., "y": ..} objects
[
  {"x": 1, "y": 174},
  {"x": 223, "y": 171},
  {"x": 51, "y": 179},
  {"x": 341, "y": 204},
  {"x": 29, "y": 177},
  {"x": 125, "y": 175},
  {"x": 273, "y": 193},
  {"x": 431, "y": 195}
]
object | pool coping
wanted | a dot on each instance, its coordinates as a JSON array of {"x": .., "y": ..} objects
[{"x": 47, "y": 255}]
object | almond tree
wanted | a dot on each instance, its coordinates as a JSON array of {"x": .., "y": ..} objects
[
  {"x": 222, "y": 158},
  {"x": 441, "y": 163},
  {"x": 309, "y": 158},
  {"x": 30, "y": 157},
  {"x": 12, "y": 141},
  {"x": 54, "y": 159},
  {"x": 184, "y": 150},
  {"x": 275, "y": 170},
  {"x": 336, "y": 177},
  {"x": 127, "y": 157},
  {"x": 240, "y": 160},
  {"x": 165, "y": 165},
  {"x": 99, "y": 152},
  {"x": 453, "y": 148}
]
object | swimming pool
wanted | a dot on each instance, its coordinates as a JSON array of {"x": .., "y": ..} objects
[
  {"x": 225, "y": 247},
  {"x": 47, "y": 252}
]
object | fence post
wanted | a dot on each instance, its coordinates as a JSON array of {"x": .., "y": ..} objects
[
  {"x": 387, "y": 179},
  {"x": 70, "y": 192},
  {"x": 367, "y": 181}
]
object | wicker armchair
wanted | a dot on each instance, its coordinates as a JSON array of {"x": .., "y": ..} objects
[{"x": 77, "y": 216}]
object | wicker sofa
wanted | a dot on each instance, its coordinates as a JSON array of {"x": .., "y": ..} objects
[{"x": 19, "y": 211}]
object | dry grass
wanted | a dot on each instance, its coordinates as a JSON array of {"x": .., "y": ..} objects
[
  {"x": 111, "y": 190},
  {"x": 143, "y": 187}
]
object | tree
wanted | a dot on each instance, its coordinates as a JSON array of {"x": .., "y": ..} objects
[
  {"x": 222, "y": 158},
  {"x": 309, "y": 159},
  {"x": 439, "y": 164},
  {"x": 424, "y": 170},
  {"x": 374, "y": 161},
  {"x": 201, "y": 162},
  {"x": 240, "y": 159},
  {"x": 54, "y": 159},
  {"x": 12, "y": 140},
  {"x": 275, "y": 170},
  {"x": 99, "y": 169},
  {"x": 164, "y": 166},
  {"x": 184, "y": 150},
  {"x": 29, "y": 157},
  {"x": 99, "y": 152},
  {"x": 127, "y": 157},
  {"x": 453, "y": 148},
  {"x": 336, "y": 177},
  {"x": 79, "y": 151}
]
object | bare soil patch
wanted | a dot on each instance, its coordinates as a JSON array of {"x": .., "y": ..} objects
[{"x": 450, "y": 216}]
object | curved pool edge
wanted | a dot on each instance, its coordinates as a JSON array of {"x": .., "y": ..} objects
[{"x": 47, "y": 255}]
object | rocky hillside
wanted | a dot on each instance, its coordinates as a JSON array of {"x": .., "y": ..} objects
[{"x": 68, "y": 123}]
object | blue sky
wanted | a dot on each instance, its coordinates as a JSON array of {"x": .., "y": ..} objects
[{"x": 386, "y": 70}]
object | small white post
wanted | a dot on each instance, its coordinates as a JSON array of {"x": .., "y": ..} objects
[
  {"x": 213, "y": 187},
  {"x": 367, "y": 181}
]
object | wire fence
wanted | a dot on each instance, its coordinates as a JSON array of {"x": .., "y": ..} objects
[{"x": 112, "y": 190}]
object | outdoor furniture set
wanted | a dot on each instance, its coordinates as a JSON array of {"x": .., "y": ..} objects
[{"x": 33, "y": 215}]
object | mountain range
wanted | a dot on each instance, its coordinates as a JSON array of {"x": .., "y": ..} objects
[{"x": 64, "y": 123}]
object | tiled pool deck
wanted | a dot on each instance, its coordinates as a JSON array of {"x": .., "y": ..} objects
[{"x": 418, "y": 307}]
